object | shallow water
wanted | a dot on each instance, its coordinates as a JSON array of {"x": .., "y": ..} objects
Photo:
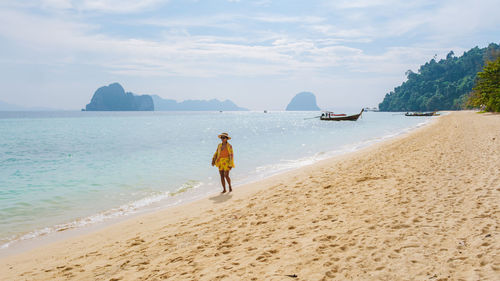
[{"x": 68, "y": 169}]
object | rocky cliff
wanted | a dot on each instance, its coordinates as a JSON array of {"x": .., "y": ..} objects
[
  {"x": 194, "y": 105},
  {"x": 304, "y": 101},
  {"x": 114, "y": 98}
]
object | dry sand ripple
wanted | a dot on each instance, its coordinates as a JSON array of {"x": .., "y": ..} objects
[{"x": 421, "y": 207}]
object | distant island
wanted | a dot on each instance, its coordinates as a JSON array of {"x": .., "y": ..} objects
[
  {"x": 443, "y": 85},
  {"x": 195, "y": 105},
  {"x": 304, "y": 101},
  {"x": 10, "y": 107},
  {"x": 114, "y": 98}
]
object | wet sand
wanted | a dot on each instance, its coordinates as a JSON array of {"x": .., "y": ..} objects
[{"x": 424, "y": 206}]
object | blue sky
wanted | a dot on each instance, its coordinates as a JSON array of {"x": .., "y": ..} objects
[{"x": 56, "y": 53}]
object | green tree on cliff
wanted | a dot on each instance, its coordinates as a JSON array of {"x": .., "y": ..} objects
[
  {"x": 440, "y": 85},
  {"x": 486, "y": 92}
]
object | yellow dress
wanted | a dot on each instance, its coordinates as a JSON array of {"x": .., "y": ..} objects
[{"x": 224, "y": 163}]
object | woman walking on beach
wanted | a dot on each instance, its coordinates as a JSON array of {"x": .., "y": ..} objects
[{"x": 223, "y": 159}]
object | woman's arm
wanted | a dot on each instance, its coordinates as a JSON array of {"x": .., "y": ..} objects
[
  {"x": 216, "y": 154},
  {"x": 231, "y": 155}
]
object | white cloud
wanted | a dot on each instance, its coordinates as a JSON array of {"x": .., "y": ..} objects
[
  {"x": 56, "y": 4},
  {"x": 182, "y": 54},
  {"x": 118, "y": 6},
  {"x": 356, "y": 4},
  {"x": 262, "y": 3},
  {"x": 104, "y": 6},
  {"x": 365, "y": 39},
  {"x": 232, "y": 22},
  {"x": 457, "y": 19},
  {"x": 273, "y": 18},
  {"x": 376, "y": 4}
]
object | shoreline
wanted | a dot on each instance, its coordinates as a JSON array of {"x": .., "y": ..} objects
[
  {"x": 422, "y": 205},
  {"x": 66, "y": 231}
]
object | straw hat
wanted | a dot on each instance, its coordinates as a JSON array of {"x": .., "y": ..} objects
[{"x": 224, "y": 135}]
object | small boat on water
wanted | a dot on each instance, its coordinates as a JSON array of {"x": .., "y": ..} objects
[
  {"x": 421, "y": 113},
  {"x": 328, "y": 116}
]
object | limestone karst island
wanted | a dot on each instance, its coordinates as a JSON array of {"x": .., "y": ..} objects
[
  {"x": 114, "y": 98},
  {"x": 303, "y": 101}
]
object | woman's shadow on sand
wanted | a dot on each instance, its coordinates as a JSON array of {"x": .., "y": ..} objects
[{"x": 221, "y": 197}]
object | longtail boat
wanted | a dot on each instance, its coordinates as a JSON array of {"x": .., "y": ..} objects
[
  {"x": 421, "y": 113},
  {"x": 342, "y": 117},
  {"x": 331, "y": 114}
]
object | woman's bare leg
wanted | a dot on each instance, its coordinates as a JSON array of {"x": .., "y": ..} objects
[
  {"x": 223, "y": 182},
  {"x": 226, "y": 175}
]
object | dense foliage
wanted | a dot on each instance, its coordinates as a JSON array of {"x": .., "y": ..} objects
[
  {"x": 440, "y": 85},
  {"x": 486, "y": 92}
]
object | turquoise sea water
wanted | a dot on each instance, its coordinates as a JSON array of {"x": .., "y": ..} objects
[{"x": 63, "y": 170}]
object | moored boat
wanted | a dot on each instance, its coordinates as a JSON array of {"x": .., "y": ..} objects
[
  {"x": 340, "y": 117},
  {"x": 330, "y": 114},
  {"x": 421, "y": 113}
]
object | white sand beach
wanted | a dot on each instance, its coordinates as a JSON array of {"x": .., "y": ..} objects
[{"x": 423, "y": 206}]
